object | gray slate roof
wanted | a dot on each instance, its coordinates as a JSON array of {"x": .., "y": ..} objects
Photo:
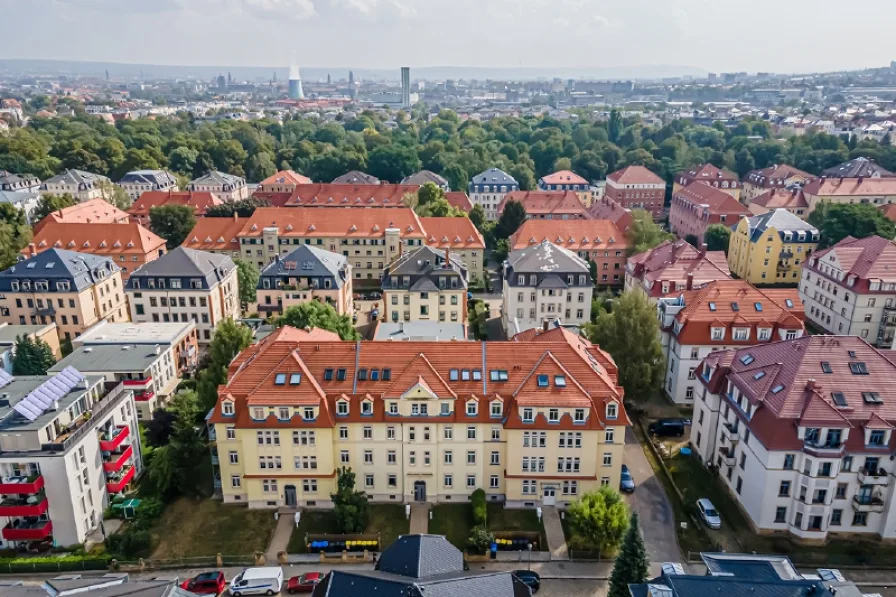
[
  {"x": 55, "y": 265},
  {"x": 8, "y": 178},
  {"x": 419, "y": 331},
  {"x": 215, "y": 178},
  {"x": 781, "y": 220},
  {"x": 186, "y": 263},
  {"x": 17, "y": 198},
  {"x": 494, "y": 176},
  {"x": 356, "y": 177},
  {"x": 162, "y": 178},
  {"x": 855, "y": 168},
  {"x": 75, "y": 177},
  {"x": 421, "y": 556},
  {"x": 546, "y": 257},
  {"x": 309, "y": 262},
  {"x": 424, "y": 266},
  {"x": 425, "y": 176}
]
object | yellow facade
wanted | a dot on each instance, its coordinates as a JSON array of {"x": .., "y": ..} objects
[
  {"x": 448, "y": 305},
  {"x": 770, "y": 258}
]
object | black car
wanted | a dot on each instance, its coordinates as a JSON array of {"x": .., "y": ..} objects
[
  {"x": 529, "y": 578},
  {"x": 667, "y": 427}
]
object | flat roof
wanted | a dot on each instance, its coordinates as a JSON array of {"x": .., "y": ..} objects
[
  {"x": 20, "y": 387},
  {"x": 134, "y": 333},
  {"x": 419, "y": 330},
  {"x": 9, "y": 332},
  {"x": 101, "y": 358}
]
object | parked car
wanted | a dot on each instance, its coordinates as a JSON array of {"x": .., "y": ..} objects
[
  {"x": 627, "y": 482},
  {"x": 667, "y": 427},
  {"x": 257, "y": 581},
  {"x": 304, "y": 583},
  {"x": 709, "y": 514},
  {"x": 529, "y": 578},
  {"x": 207, "y": 583}
]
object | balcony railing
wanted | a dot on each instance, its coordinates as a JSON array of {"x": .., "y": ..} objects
[
  {"x": 728, "y": 456},
  {"x": 877, "y": 476},
  {"x": 135, "y": 384},
  {"x": 33, "y": 505},
  {"x": 119, "y": 434},
  {"x": 729, "y": 432},
  {"x": 28, "y": 531},
  {"x": 116, "y": 483},
  {"x": 116, "y": 460},
  {"x": 868, "y": 504},
  {"x": 22, "y": 485},
  {"x": 144, "y": 396},
  {"x": 826, "y": 449},
  {"x": 100, "y": 409}
]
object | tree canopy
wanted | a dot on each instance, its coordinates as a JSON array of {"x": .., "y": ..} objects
[
  {"x": 47, "y": 204},
  {"x": 315, "y": 314},
  {"x": 229, "y": 340},
  {"x": 176, "y": 467},
  {"x": 243, "y": 208},
  {"x": 645, "y": 234},
  {"x": 600, "y": 518},
  {"x": 351, "y": 506},
  {"x": 717, "y": 237},
  {"x": 172, "y": 222},
  {"x": 32, "y": 356},
  {"x": 838, "y": 220},
  {"x": 15, "y": 234},
  {"x": 631, "y": 564},
  {"x": 511, "y": 219},
  {"x": 247, "y": 275}
]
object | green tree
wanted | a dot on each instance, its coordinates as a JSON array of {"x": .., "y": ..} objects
[
  {"x": 247, "y": 274},
  {"x": 644, "y": 234},
  {"x": 315, "y": 314},
  {"x": 15, "y": 234},
  {"x": 511, "y": 219},
  {"x": 172, "y": 222},
  {"x": 229, "y": 340},
  {"x": 614, "y": 126},
  {"x": 477, "y": 216},
  {"x": 393, "y": 162},
  {"x": 50, "y": 203},
  {"x": 480, "y": 539},
  {"x": 351, "y": 506},
  {"x": 114, "y": 194},
  {"x": 176, "y": 468},
  {"x": 600, "y": 518},
  {"x": 429, "y": 193},
  {"x": 630, "y": 333},
  {"x": 243, "y": 208},
  {"x": 524, "y": 176},
  {"x": 477, "y": 319},
  {"x": 692, "y": 240},
  {"x": 716, "y": 237},
  {"x": 457, "y": 177},
  {"x": 838, "y": 220},
  {"x": 631, "y": 564},
  {"x": 31, "y": 356}
]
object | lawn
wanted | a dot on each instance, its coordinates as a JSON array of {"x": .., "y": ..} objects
[
  {"x": 455, "y": 521},
  {"x": 191, "y": 528},
  {"x": 386, "y": 519}
]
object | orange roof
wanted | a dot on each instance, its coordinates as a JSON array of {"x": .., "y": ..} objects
[
  {"x": 847, "y": 187},
  {"x": 349, "y": 195},
  {"x": 97, "y": 239},
  {"x": 716, "y": 201},
  {"x": 454, "y": 233},
  {"x": 215, "y": 234},
  {"x": 707, "y": 173},
  {"x": 563, "y": 177},
  {"x": 775, "y": 198},
  {"x": 539, "y": 203},
  {"x": 459, "y": 200},
  {"x": 635, "y": 175},
  {"x": 285, "y": 177},
  {"x": 276, "y": 199},
  {"x": 573, "y": 235},
  {"x": 889, "y": 211},
  {"x": 94, "y": 211},
  {"x": 198, "y": 200},
  {"x": 607, "y": 209},
  {"x": 333, "y": 222}
]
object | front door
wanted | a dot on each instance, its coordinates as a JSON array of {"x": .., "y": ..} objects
[
  {"x": 290, "y": 493},
  {"x": 419, "y": 491},
  {"x": 548, "y": 496}
]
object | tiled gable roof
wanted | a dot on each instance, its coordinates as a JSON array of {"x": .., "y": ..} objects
[
  {"x": 452, "y": 233},
  {"x": 539, "y": 203},
  {"x": 573, "y": 235},
  {"x": 847, "y": 187},
  {"x": 673, "y": 261},
  {"x": 355, "y": 177},
  {"x": 460, "y": 200},
  {"x": 707, "y": 172},
  {"x": 198, "y": 200},
  {"x": 285, "y": 177},
  {"x": 773, "y": 198},
  {"x": 635, "y": 175},
  {"x": 99, "y": 239},
  {"x": 774, "y": 175},
  {"x": 215, "y": 234},
  {"x": 563, "y": 177},
  {"x": 333, "y": 222},
  {"x": 349, "y": 195},
  {"x": 869, "y": 258},
  {"x": 715, "y": 200},
  {"x": 95, "y": 211}
]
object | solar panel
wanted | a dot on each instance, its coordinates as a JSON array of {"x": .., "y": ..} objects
[
  {"x": 5, "y": 378},
  {"x": 43, "y": 396}
]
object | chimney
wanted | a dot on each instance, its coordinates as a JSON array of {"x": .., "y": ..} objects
[
  {"x": 703, "y": 247},
  {"x": 32, "y": 249},
  {"x": 235, "y": 216},
  {"x": 447, "y": 262},
  {"x": 690, "y": 281},
  {"x": 544, "y": 325},
  {"x": 811, "y": 385}
]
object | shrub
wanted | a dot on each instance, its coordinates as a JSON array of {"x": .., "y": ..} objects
[
  {"x": 130, "y": 544},
  {"x": 480, "y": 510},
  {"x": 480, "y": 540}
]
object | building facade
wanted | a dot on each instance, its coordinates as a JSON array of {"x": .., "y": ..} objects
[
  {"x": 875, "y": 191},
  {"x": 775, "y": 177},
  {"x": 793, "y": 200},
  {"x": 306, "y": 274},
  {"x": 636, "y": 187},
  {"x": 697, "y": 206},
  {"x": 771, "y": 248},
  {"x": 425, "y": 285},
  {"x": 137, "y": 182},
  {"x": 547, "y": 205},
  {"x": 489, "y": 188},
  {"x": 674, "y": 266},
  {"x": 16, "y": 183},
  {"x": 81, "y": 185},
  {"x": 567, "y": 180},
  {"x": 226, "y": 187},
  {"x": 531, "y": 423},
  {"x": 723, "y": 180}
]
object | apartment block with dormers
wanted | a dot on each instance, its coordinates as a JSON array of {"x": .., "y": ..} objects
[
  {"x": 801, "y": 433},
  {"x": 531, "y": 422},
  {"x": 425, "y": 285},
  {"x": 75, "y": 290},
  {"x": 673, "y": 266},
  {"x": 306, "y": 274}
]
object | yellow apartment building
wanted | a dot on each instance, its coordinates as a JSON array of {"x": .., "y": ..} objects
[
  {"x": 771, "y": 248},
  {"x": 425, "y": 285}
]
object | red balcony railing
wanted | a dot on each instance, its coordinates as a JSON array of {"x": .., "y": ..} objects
[
  {"x": 115, "y": 486},
  {"x": 137, "y": 383},
  {"x": 31, "y": 506},
  {"x": 113, "y": 462},
  {"x": 22, "y": 485},
  {"x": 119, "y": 435},
  {"x": 34, "y": 531},
  {"x": 144, "y": 396}
]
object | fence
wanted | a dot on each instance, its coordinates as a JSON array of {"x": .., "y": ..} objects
[{"x": 185, "y": 563}]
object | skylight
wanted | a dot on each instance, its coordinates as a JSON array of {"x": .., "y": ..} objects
[
  {"x": 735, "y": 307},
  {"x": 295, "y": 379},
  {"x": 777, "y": 389},
  {"x": 872, "y": 398},
  {"x": 747, "y": 359},
  {"x": 852, "y": 354},
  {"x": 758, "y": 307},
  {"x": 826, "y": 367},
  {"x": 759, "y": 375},
  {"x": 560, "y": 381},
  {"x": 789, "y": 303},
  {"x": 839, "y": 399},
  {"x": 280, "y": 379},
  {"x": 712, "y": 306},
  {"x": 542, "y": 381},
  {"x": 858, "y": 368}
]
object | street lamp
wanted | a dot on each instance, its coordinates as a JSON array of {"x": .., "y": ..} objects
[{"x": 529, "y": 566}]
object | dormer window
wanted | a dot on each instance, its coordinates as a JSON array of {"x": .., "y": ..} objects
[
  {"x": 342, "y": 407},
  {"x": 528, "y": 415},
  {"x": 718, "y": 333},
  {"x": 764, "y": 333},
  {"x": 579, "y": 415},
  {"x": 258, "y": 413},
  {"x": 876, "y": 437},
  {"x": 472, "y": 409},
  {"x": 227, "y": 407},
  {"x": 497, "y": 408},
  {"x": 308, "y": 413},
  {"x": 741, "y": 333},
  {"x": 612, "y": 410},
  {"x": 554, "y": 415},
  {"x": 367, "y": 407}
]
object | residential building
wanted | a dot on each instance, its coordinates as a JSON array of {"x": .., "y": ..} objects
[
  {"x": 793, "y": 200},
  {"x": 81, "y": 185},
  {"x": 674, "y": 266},
  {"x": 599, "y": 241},
  {"x": 25, "y": 201},
  {"x": 771, "y": 248},
  {"x": 187, "y": 284},
  {"x": 876, "y": 191},
  {"x": 697, "y": 206},
  {"x": 725, "y": 181},
  {"x": 547, "y": 205},
  {"x": 9, "y": 333},
  {"x": 198, "y": 202},
  {"x": 16, "y": 183},
  {"x": 425, "y": 176},
  {"x": 149, "y": 359},
  {"x": 284, "y": 181},
  {"x": 488, "y": 189},
  {"x": 74, "y": 290},
  {"x": 808, "y": 424},
  {"x": 218, "y": 235},
  {"x": 605, "y": 208},
  {"x": 543, "y": 283},
  {"x": 356, "y": 177},
  {"x": 92, "y": 211},
  {"x": 418, "y": 331},
  {"x": 857, "y": 168},
  {"x": 306, "y": 274},
  {"x": 137, "y": 182},
  {"x": 226, "y": 187},
  {"x": 67, "y": 445},
  {"x": 722, "y": 314},
  {"x": 459, "y": 200},
  {"x": 130, "y": 245},
  {"x": 425, "y": 285},
  {"x": 850, "y": 289},
  {"x": 567, "y": 180},
  {"x": 350, "y": 195},
  {"x": 636, "y": 187},
  {"x": 422, "y": 565},
  {"x": 461, "y": 237},
  {"x": 774, "y": 177},
  {"x": 532, "y": 423}
]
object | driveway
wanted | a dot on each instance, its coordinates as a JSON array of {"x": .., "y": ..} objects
[{"x": 650, "y": 502}]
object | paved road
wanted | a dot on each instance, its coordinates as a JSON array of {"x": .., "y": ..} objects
[
  {"x": 650, "y": 502},
  {"x": 573, "y": 588}
]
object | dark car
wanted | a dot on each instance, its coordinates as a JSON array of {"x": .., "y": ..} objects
[
  {"x": 529, "y": 578},
  {"x": 667, "y": 427},
  {"x": 207, "y": 583},
  {"x": 304, "y": 583},
  {"x": 626, "y": 481}
]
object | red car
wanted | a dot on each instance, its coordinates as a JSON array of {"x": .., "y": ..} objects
[
  {"x": 207, "y": 583},
  {"x": 304, "y": 583}
]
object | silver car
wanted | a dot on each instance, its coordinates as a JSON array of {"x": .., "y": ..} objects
[{"x": 709, "y": 514}]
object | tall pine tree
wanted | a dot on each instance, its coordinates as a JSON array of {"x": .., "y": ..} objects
[
  {"x": 631, "y": 563},
  {"x": 32, "y": 356}
]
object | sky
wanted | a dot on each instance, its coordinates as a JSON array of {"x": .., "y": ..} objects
[{"x": 715, "y": 35}]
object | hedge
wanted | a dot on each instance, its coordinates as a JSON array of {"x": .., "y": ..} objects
[
  {"x": 480, "y": 509},
  {"x": 52, "y": 564}
]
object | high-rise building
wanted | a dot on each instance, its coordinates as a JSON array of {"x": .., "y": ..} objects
[
  {"x": 405, "y": 87},
  {"x": 295, "y": 83}
]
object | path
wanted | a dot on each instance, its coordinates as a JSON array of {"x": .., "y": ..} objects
[
  {"x": 419, "y": 519},
  {"x": 652, "y": 505},
  {"x": 553, "y": 530},
  {"x": 280, "y": 538}
]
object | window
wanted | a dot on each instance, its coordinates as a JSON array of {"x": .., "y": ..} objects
[
  {"x": 788, "y": 462},
  {"x": 280, "y": 379},
  {"x": 784, "y": 489},
  {"x": 495, "y": 459},
  {"x": 542, "y": 381},
  {"x": 368, "y": 432},
  {"x": 579, "y": 415},
  {"x": 368, "y": 481},
  {"x": 309, "y": 485},
  {"x": 448, "y": 481},
  {"x": 781, "y": 514},
  {"x": 836, "y": 518},
  {"x": 227, "y": 407},
  {"x": 295, "y": 379},
  {"x": 471, "y": 409},
  {"x": 858, "y": 368},
  {"x": 494, "y": 482},
  {"x": 235, "y": 481},
  {"x": 609, "y": 436},
  {"x": 612, "y": 411},
  {"x": 528, "y": 415},
  {"x": 343, "y": 433},
  {"x": 553, "y": 415},
  {"x": 367, "y": 407},
  {"x": 608, "y": 459},
  {"x": 342, "y": 408},
  {"x": 471, "y": 433},
  {"x": 496, "y": 409},
  {"x": 343, "y": 456},
  {"x": 471, "y": 457},
  {"x": 826, "y": 367},
  {"x": 471, "y": 480},
  {"x": 368, "y": 456},
  {"x": 860, "y": 519}
]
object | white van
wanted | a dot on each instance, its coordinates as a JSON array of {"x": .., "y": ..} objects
[{"x": 257, "y": 581}]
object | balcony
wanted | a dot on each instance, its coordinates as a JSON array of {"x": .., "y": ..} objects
[
  {"x": 137, "y": 384},
  {"x": 116, "y": 483},
  {"x": 22, "y": 485},
  {"x": 728, "y": 456},
  {"x": 824, "y": 449},
  {"x": 33, "y": 505},
  {"x": 76, "y": 430},
  {"x": 868, "y": 504},
  {"x": 118, "y": 435},
  {"x": 144, "y": 396},
  {"x": 786, "y": 254},
  {"x": 783, "y": 266},
  {"x": 28, "y": 531},
  {"x": 729, "y": 432},
  {"x": 114, "y": 461},
  {"x": 878, "y": 477}
]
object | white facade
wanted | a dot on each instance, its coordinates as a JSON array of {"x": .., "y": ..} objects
[
  {"x": 526, "y": 306},
  {"x": 490, "y": 199}
]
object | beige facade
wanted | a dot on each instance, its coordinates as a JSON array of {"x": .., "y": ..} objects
[
  {"x": 441, "y": 305},
  {"x": 278, "y": 300}
]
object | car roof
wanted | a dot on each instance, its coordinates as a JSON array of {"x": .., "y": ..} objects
[
  {"x": 706, "y": 503},
  {"x": 209, "y": 575},
  {"x": 312, "y": 574}
]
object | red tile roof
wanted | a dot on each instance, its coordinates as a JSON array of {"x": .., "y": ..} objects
[
  {"x": 350, "y": 195},
  {"x": 847, "y": 187},
  {"x": 459, "y": 200},
  {"x": 889, "y": 211},
  {"x": 563, "y": 177},
  {"x": 573, "y": 235},
  {"x": 335, "y": 222},
  {"x": 198, "y": 200},
  {"x": 97, "y": 239},
  {"x": 275, "y": 199},
  {"x": 215, "y": 234},
  {"x": 94, "y": 211},
  {"x": 285, "y": 177},
  {"x": 865, "y": 259},
  {"x": 635, "y": 175},
  {"x": 607, "y": 209},
  {"x": 775, "y": 176},
  {"x": 455, "y": 233},
  {"x": 673, "y": 262},
  {"x": 706, "y": 173},
  {"x": 781, "y": 198},
  {"x": 542, "y": 203},
  {"x": 716, "y": 201}
]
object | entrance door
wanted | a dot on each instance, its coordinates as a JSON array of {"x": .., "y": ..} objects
[
  {"x": 419, "y": 491},
  {"x": 290, "y": 493},
  {"x": 548, "y": 497}
]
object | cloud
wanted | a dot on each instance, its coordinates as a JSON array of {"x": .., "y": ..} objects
[
  {"x": 373, "y": 9},
  {"x": 124, "y": 6},
  {"x": 297, "y": 10}
]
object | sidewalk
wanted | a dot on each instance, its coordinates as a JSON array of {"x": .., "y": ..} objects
[
  {"x": 419, "y": 519},
  {"x": 280, "y": 538}
]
